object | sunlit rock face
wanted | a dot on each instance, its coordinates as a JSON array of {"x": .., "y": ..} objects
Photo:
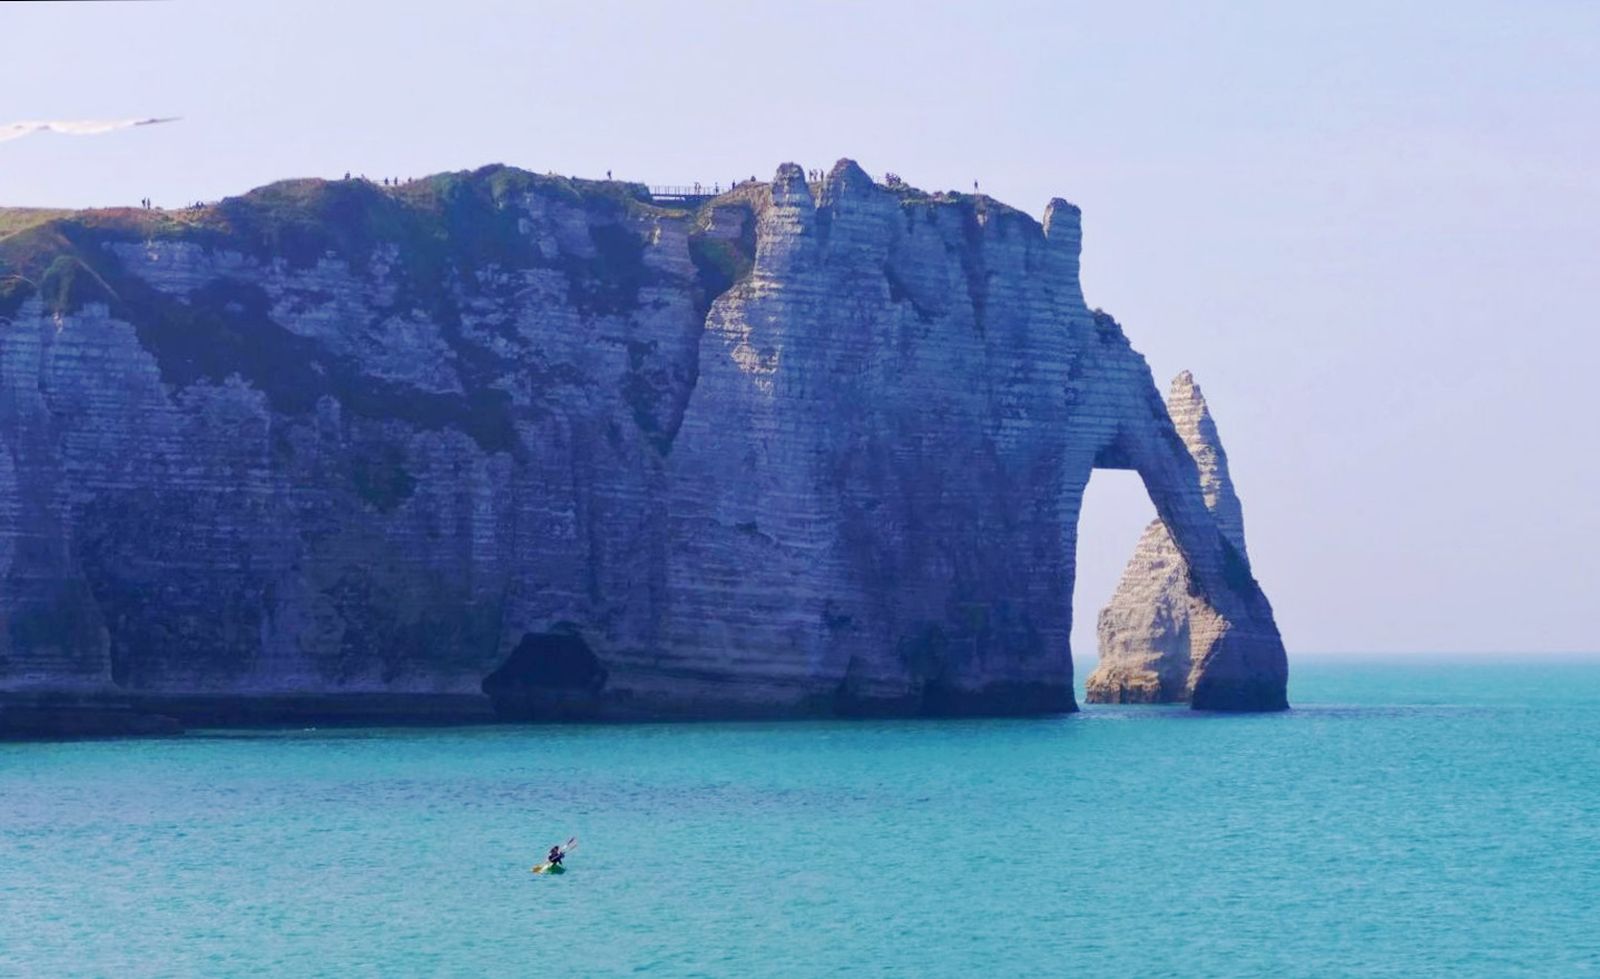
[
  {"x": 493, "y": 442},
  {"x": 1156, "y": 632}
]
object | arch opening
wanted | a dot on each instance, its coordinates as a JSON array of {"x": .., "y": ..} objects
[{"x": 1116, "y": 510}]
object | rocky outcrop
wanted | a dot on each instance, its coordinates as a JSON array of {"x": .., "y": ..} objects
[
  {"x": 544, "y": 447},
  {"x": 1159, "y": 628}
]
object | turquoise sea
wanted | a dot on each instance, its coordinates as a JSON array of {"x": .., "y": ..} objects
[{"x": 1407, "y": 818}]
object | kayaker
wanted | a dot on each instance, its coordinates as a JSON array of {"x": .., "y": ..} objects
[{"x": 556, "y": 854}]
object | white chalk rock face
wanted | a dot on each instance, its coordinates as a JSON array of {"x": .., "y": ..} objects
[
  {"x": 496, "y": 443},
  {"x": 1156, "y": 632}
]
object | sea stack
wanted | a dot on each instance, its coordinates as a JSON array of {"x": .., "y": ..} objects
[{"x": 1158, "y": 630}]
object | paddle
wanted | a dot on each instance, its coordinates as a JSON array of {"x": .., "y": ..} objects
[{"x": 564, "y": 849}]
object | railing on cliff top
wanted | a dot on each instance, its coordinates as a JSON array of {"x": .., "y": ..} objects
[{"x": 686, "y": 192}]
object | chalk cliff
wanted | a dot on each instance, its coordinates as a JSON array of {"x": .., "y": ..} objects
[
  {"x": 497, "y": 444},
  {"x": 1155, "y": 632}
]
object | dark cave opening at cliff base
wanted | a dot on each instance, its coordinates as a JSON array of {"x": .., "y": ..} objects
[
  {"x": 549, "y": 676},
  {"x": 1116, "y": 509}
]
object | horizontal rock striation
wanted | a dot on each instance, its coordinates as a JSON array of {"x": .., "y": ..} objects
[
  {"x": 543, "y": 447},
  {"x": 1159, "y": 628}
]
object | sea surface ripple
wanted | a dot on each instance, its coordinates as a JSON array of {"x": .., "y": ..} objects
[{"x": 1407, "y": 818}]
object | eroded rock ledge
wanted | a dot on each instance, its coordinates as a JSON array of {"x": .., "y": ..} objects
[{"x": 549, "y": 448}]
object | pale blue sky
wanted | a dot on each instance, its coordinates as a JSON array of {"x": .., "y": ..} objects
[{"x": 1372, "y": 230}]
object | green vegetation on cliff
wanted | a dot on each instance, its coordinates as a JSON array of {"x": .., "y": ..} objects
[
  {"x": 442, "y": 230},
  {"x": 439, "y": 241}
]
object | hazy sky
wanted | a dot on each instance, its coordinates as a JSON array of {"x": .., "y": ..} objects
[{"x": 1372, "y": 230}]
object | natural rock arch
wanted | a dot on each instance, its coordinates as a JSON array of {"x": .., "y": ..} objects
[{"x": 1167, "y": 636}]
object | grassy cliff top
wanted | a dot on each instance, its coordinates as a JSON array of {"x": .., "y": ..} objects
[
  {"x": 15, "y": 219},
  {"x": 448, "y": 219}
]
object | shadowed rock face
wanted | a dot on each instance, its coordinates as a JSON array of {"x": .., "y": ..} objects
[
  {"x": 1157, "y": 632},
  {"x": 795, "y": 450}
]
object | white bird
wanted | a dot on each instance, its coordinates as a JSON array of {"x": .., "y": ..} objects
[{"x": 74, "y": 127}]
